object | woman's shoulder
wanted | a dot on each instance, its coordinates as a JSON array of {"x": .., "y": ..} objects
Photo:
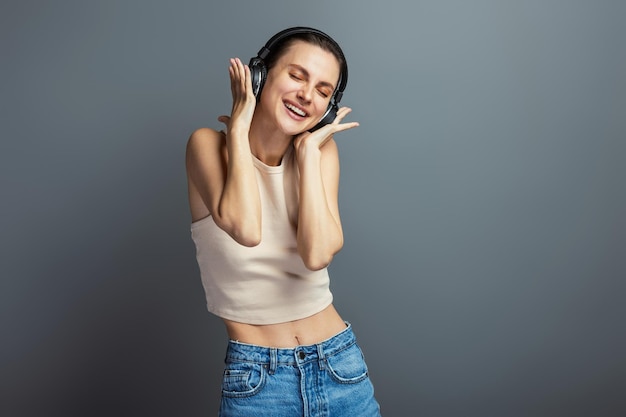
[
  {"x": 206, "y": 145},
  {"x": 204, "y": 134},
  {"x": 206, "y": 139}
]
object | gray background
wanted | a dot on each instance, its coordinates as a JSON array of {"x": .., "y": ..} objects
[{"x": 482, "y": 197}]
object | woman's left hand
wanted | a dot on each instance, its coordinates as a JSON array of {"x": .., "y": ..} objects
[{"x": 318, "y": 138}]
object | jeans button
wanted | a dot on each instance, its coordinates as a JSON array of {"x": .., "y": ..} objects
[{"x": 301, "y": 355}]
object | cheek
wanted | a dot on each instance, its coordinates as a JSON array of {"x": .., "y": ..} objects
[
  {"x": 279, "y": 84},
  {"x": 269, "y": 94},
  {"x": 322, "y": 104},
  {"x": 273, "y": 93}
]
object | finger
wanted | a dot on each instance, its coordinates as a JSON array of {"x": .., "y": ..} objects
[
  {"x": 329, "y": 130},
  {"x": 248, "y": 80},
  {"x": 224, "y": 119},
  {"x": 345, "y": 126},
  {"x": 232, "y": 72},
  {"x": 235, "y": 72},
  {"x": 234, "y": 68},
  {"x": 241, "y": 74},
  {"x": 341, "y": 113}
]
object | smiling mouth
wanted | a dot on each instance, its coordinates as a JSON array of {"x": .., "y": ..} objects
[{"x": 296, "y": 110}]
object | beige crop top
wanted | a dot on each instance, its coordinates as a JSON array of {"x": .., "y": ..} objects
[{"x": 267, "y": 283}]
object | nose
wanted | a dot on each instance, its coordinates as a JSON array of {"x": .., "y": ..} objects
[{"x": 305, "y": 93}]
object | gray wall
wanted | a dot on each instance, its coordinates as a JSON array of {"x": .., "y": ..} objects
[{"x": 483, "y": 201}]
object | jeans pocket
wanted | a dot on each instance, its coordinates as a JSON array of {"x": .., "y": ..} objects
[
  {"x": 348, "y": 366},
  {"x": 242, "y": 379}
]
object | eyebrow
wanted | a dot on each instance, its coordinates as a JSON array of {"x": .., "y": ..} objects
[{"x": 305, "y": 72}]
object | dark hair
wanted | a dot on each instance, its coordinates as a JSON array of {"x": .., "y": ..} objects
[{"x": 282, "y": 45}]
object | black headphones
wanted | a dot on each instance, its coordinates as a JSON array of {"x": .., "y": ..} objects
[{"x": 258, "y": 70}]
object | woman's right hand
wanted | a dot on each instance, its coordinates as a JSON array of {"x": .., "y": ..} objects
[{"x": 244, "y": 100}]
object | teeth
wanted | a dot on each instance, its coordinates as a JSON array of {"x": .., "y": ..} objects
[{"x": 295, "y": 109}]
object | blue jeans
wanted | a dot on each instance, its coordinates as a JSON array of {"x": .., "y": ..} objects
[{"x": 328, "y": 379}]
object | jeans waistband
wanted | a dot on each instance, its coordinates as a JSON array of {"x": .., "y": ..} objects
[{"x": 244, "y": 352}]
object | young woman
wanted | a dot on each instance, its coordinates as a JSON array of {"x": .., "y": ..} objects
[{"x": 265, "y": 221}]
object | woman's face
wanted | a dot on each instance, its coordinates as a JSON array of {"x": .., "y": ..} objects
[{"x": 299, "y": 87}]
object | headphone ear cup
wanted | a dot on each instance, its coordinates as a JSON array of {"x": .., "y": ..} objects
[
  {"x": 329, "y": 117},
  {"x": 258, "y": 74}
]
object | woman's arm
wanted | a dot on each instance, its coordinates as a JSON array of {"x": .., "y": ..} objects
[
  {"x": 319, "y": 235},
  {"x": 221, "y": 167}
]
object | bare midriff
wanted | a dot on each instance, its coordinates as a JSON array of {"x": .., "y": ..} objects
[{"x": 306, "y": 331}]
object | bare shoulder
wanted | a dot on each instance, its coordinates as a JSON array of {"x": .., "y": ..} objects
[
  {"x": 205, "y": 143},
  {"x": 203, "y": 137}
]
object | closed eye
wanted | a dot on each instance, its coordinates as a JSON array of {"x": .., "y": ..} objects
[{"x": 323, "y": 93}]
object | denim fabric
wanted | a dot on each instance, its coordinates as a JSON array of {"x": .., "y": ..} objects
[{"x": 328, "y": 379}]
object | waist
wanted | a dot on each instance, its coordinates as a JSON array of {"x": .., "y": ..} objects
[
  {"x": 307, "y": 331},
  {"x": 243, "y": 352}
]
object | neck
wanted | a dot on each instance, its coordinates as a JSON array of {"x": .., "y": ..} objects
[{"x": 268, "y": 143}]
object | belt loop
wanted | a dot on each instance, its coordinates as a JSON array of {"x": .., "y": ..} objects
[
  {"x": 273, "y": 360},
  {"x": 320, "y": 357}
]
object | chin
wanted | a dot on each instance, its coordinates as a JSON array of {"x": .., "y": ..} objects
[{"x": 295, "y": 130}]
